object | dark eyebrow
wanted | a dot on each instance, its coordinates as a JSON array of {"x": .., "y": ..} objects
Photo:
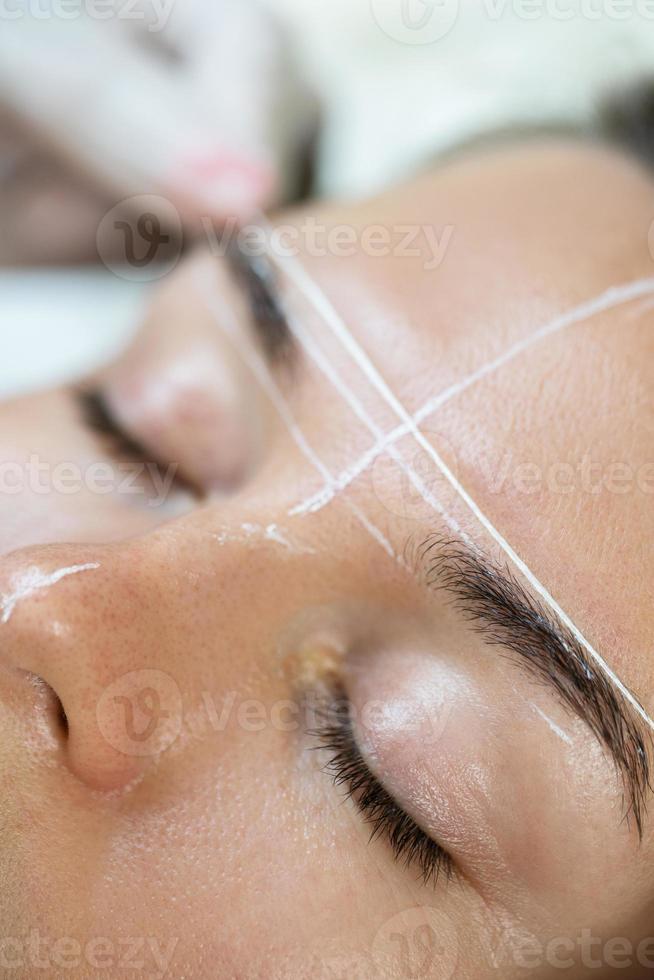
[
  {"x": 255, "y": 276},
  {"x": 500, "y": 609}
]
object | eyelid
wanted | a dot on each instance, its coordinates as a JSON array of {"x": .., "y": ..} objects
[
  {"x": 411, "y": 846},
  {"x": 97, "y": 417}
]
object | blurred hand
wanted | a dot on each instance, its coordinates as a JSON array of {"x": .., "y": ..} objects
[{"x": 194, "y": 100}]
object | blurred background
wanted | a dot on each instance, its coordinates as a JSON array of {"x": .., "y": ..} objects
[{"x": 132, "y": 130}]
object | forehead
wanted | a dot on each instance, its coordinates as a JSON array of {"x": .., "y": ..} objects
[{"x": 552, "y": 437}]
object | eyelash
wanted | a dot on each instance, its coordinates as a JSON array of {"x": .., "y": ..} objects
[
  {"x": 410, "y": 845},
  {"x": 99, "y": 420},
  {"x": 258, "y": 280}
]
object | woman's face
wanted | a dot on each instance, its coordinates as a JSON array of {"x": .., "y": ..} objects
[{"x": 174, "y": 652}]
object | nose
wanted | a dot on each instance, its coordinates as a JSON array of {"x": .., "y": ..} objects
[
  {"x": 90, "y": 623},
  {"x": 140, "y": 642}
]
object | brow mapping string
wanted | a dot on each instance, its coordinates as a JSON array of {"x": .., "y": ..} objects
[
  {"x": 224, "y": 319},
  {"x": 612, "y": 298},
  {"x": 316, "y": 502},
  {"x": 336, "y": 324},
  {"x": 326, "y": 367}
]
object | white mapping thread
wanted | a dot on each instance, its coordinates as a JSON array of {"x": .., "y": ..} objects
[
  {"x": 316, "y": 354},
  {"x": 346, "y": 477},
  {"x": 32, "y": 580},
  {"x": 614, "y": 297},
  {"x": 224, "y": 319},
  {"x": 336, "y": 324}
]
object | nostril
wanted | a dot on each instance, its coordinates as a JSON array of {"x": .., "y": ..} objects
[
  {"x": 56, "y": 712},
  {"x": 51, "y": 706},
  {"x": 62, "y": 717}
]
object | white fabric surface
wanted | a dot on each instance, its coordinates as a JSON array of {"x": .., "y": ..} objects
[{"x": 55, "y": 325}]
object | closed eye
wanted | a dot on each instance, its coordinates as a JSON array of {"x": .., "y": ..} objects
[
  {"x": 121, "y": 444},
  {"x": 410, "y": 845}
]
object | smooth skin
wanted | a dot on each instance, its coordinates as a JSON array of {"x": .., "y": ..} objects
[{"x": 223, "y": 846}]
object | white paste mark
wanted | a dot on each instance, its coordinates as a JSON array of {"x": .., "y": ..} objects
[
  {"x": 31, "y": 580},
  {"x": 252, "y": 532},
  {"x": 552, "y": 724},
  {"x": 274, "y": 533}
]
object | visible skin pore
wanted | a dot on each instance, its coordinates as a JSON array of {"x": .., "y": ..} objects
[{"x": 233, "y": 842}]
